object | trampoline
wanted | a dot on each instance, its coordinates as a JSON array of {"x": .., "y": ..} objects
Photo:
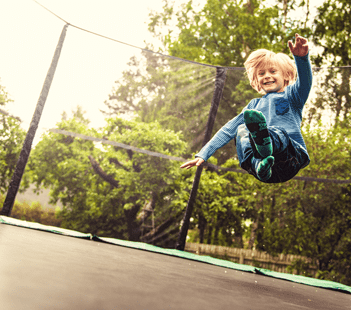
[{"x": 42, "y": 270}]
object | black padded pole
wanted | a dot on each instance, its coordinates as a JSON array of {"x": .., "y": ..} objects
[
  {"x": 27, "y": 145},
  {"x": 217, "y": 95}
]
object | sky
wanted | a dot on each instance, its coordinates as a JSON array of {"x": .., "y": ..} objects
[{"x": 88, "y": 66}]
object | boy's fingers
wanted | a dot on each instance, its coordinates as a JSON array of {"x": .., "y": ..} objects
[
  {"x": 184, "y": 165},
  {"x": 189, "y": 164},
  {"x": 300, "y": 39},
  {"x": 290, "y": 45}
]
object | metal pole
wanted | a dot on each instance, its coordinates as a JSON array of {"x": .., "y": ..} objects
[
  {"x": 217, "y": 95},
  {"x": 27, "y": 145}
]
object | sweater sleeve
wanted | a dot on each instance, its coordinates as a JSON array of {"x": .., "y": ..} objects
[
  {"x": 225, "y": 134},
  {"x": 301, "y": 88},
  {"x": 221, "y": 138}
]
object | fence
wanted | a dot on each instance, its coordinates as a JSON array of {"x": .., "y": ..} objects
[{"x": 250, "y": 257}]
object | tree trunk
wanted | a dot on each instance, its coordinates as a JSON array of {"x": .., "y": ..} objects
[
  {"x": 132, "y": 227},
  {"x": 217, "y": 228},
  {"x": 238, "y": 237},
  {"x": 256, "y": 224},
  {"x": 147, "y": 209},
  {"x": 285, "y": 15},
  {"x": 228, "y": 236},
  {"x": 202, "y": 226},
  {"x": 209, "y": 234},
  {"x": 253, "y": 234},
  {"x": 307, "y": 12}
]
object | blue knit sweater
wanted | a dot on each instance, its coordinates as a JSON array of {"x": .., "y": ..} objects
[{"x": 282, "y": 109}]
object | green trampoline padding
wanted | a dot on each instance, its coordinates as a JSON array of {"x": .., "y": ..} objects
[
  {"x": 181, "y": 254},
  {"x": 37, "y": 226}
]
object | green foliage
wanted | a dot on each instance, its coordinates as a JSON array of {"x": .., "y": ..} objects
[
  {"x": 299, "y": 267},
  {"x": 61, "y": 163},
  {"x": 302, "y": 218},
  {"x": 177, "y": 94},
  {"x": 309, "y": 218},
  {"x": 11, "y": 139},
  {"x": 332, "y": 32},
  {"x": 332, "y": 28},
  {"x": 224, "y": 32},
  {"x": 293, "y": 218},
  {"x": 223, "y": 203},
  {"x": 103, "y": 188},
  {"x": 168, "y": 91},
  {"x": 34, "y": 213}
]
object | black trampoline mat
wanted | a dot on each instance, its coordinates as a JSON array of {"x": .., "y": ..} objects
[{"x": 40, "y": 270}]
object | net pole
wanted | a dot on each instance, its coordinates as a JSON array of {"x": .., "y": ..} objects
[
  {"x": 27, "y": 144},
  {"x": 217, "y": 95}
]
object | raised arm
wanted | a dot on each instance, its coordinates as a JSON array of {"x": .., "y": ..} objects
[
  {"x": 221, "y": 138},
  {"x": 303, "y": 83}
]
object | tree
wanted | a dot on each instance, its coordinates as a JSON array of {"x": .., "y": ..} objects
[
  {"x": 168, "y": 91},
  {"x": 61, "y": 163},
  {"x": 139, "y": 177},
  {"x": 178, "y": 94},
  {"x": 309, "y": 218},
  {"x": 332, "y": 28},
  {"x": 222, "y": 32},
  {"x": 295, "y": 217},
  {"x": 224, "y": 202},
  {"x": 11, "y": 137},
  {"x": 108, "y": 190}
]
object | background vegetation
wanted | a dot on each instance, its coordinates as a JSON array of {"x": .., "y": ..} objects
[{"x": 114, "y": 192}]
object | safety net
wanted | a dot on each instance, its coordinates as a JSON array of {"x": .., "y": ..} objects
[{"x": 113, "y": 166}]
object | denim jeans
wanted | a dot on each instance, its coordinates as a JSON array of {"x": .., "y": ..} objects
[{"x": 289, "y": 156}]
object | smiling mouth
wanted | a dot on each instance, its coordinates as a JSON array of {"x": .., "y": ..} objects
[{"x": 268, "y": 83}]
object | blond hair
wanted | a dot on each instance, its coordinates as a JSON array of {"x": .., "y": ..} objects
[{"x": 263, "y": 58}]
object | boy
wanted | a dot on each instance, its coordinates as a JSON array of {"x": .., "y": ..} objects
[{"x": 267, "y": 133}]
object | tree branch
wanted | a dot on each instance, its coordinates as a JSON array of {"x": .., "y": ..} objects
[
  {"x": 98, "y": 170},
  {"x": 117, "y": 163},
  {"x": 159, "y": 229},
  {"x": 147, "y": 209}
]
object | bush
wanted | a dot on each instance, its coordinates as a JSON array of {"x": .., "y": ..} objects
[{"x": 34, "y": 213}]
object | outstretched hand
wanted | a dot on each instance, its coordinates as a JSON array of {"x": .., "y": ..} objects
[
  {"x": 301, "y": 46},
  {"x": 195, "y": 162}
]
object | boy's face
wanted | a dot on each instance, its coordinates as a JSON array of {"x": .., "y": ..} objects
[{"x": 271, "y": 79}]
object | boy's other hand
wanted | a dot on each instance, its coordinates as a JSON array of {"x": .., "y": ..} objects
[
  {"x": 301, "y": 46},
  {"x": 195, "y": 162}
]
